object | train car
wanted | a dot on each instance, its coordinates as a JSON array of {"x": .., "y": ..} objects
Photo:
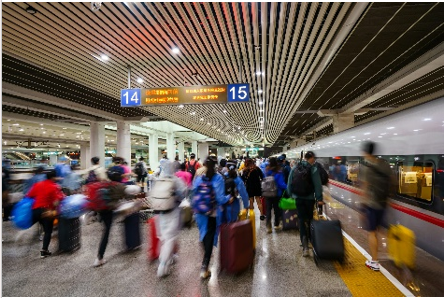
[{"x": 412, "y": 142}]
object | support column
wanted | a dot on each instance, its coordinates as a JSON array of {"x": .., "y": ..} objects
[
  {"x": 342, "y": 122},
  {"x": 203, "y": 151},
  {"x": 153, "y": 150},
  {"x": 171, "y": 148},
  {"x": 181, "y": 151},
  {"x": 195, "y": 147},
  {"x": 85, "y": 157},
  {"x": 124, "y": 141},
  {"x": 97, "y": 141}
]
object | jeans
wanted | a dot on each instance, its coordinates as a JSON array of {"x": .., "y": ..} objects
[
  {"x": 107, "y": 218},
  {"x": 208, "y": 241},
  {"x": 305, "y": 211},
  {"x": 47, "y": 224},
  {"x": 273, "y": 203},
  {"x": 168, "y": 230}
]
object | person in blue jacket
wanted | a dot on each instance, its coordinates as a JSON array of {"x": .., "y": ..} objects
[
  {"x": 240, "y": 187},
  {"x": 274, "y": 169},
  {"x": 208, "y": 225}
]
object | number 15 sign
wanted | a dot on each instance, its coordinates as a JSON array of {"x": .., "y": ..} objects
[{"x": 130, "y": 97}]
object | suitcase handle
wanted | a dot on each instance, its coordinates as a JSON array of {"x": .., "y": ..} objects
[{"x": 319, "y": 210}]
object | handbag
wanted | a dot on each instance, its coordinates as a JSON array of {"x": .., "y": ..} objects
[{"x": 287, "y": 203}]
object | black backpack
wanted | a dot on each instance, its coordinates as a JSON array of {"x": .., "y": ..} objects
[
  {"x": 302, "y": 181},
  {"x": 115, "y": 173},
  {"x": 324, "y": 176},
  {"x": 230, "y": 186},
  {"x": 192, "y": 170},
  {"x": 139, "y": 169}
]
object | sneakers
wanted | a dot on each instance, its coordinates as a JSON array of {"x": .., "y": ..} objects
[
  {"x": 306, "y": 252},
  {"x": 262, "y": 217},
  {"x": 269, "y": 230},
  {"x": 163, "y": 270},
  {"x": 205, "y": 273},
  {"x": 374, "y": 265},
  {"x": 278, "y": 228},
  {"x": 98, "y": 262},
  {"x": 44, "y": 254}
]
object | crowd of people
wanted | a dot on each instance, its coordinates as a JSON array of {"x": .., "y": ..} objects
[{"x": 248, "y": 179}]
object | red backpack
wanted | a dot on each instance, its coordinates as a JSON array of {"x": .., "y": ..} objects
[{"x": 99, "y": 195}]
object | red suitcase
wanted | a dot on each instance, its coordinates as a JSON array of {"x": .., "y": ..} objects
[
  {"x": 236, "y": 251},
  {"x": 153, "y": 239}
]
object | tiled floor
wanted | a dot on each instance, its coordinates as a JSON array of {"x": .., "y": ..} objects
[{"x": 279, "y": 269}]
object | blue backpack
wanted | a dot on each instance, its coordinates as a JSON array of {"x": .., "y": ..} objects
[
  {"x": 204, "y": 198},
  {"x": 22, "y": 214}
]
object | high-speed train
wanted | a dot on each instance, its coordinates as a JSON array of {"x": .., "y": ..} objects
[{"x": 412, "y": 142}]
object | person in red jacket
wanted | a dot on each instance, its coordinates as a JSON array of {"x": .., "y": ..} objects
[{"x": 47, "y": 195}]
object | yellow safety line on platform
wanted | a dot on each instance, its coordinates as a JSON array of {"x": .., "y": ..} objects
[{"x": 362, "y": 281}]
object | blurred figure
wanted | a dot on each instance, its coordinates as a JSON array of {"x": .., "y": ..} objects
[
  {"x": 72, "y": 182},
  {"x": 263, "y": 165},
  {"x": 38, "y": 177},
  {"x": 273, "y": 169},
  {"x": 208, "y": 223},
  {"x": 177, "y": 164},
  {"x": 285, "y": 167},
  {"x": 169, "y": 221},
  {"x": 343, "y": 172},
  {"x": 252, "y": 176},
  {"x": 5, "y": 192},
  {"x": 222, "y": 169},
  {"x": 184, "y": 175},
  {"x": 140, "y": 169},
  {"x": 47, "y": 195},
  {"x": 127, "y": 172},
  {"x": 305, "y": 184},
  {"x": 62, "y": 169},
  {"x": 192, "y": 165},
  {"x": 96, "y": 172},
  {"x": 376, "y": 185}
]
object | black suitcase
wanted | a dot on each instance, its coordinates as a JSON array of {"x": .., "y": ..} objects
[
  {"x": 327, "y": 240},
  {"x": 69, "y": 234},
  {"x": 132, "y": 231},
  {"x": 290, "y": 220}
]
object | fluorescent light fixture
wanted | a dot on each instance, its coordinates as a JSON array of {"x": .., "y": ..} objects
[
  {"x": 392, "y": 127},
  {"x": 140, "y": 80},
  {"x": 176, "y": 50},
  {"x": 104, "y": 57},
  {"x": 367, "y": 133},
  {"x": 180, "y": 106},
  {"x": 427, "y": 119},
  {"x": 416, "y": 129},
  {"x": 260, "y": 91},
  {"x": 21, "y": 129},
  {"x": 16, "y": 124},
  {"x": 395, "y": 134}
]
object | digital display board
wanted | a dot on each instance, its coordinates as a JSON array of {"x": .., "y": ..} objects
[{"x": 185, "y": 95}]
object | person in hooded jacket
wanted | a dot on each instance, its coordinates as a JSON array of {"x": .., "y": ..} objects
[
  {"x": 208, "y": 225},
  {"x": 252, "y": 176},
  {"x": 232, "y": 173},
  {"x": 273, "y": 169},
  {"x": 169, "y": 221}
]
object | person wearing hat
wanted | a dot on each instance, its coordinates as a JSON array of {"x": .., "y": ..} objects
[{"x": 376, "y": 177}]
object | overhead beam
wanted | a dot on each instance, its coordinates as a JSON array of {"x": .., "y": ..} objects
[
  {"x": 37, "y": 120},
  {"x": 16, "y": 90},
  {"x": 425, "y": 64},
  {"x": 9, "y": 136},
  {"x": 21, "y": 103}
]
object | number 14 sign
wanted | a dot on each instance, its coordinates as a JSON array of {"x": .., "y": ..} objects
[{"x": 130, "y": 97}]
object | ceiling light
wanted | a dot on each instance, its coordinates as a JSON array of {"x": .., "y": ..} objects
[
  {"x": 395, "y": 134},
  {"x": 21, "y": 129},
  {"x": 261, "y": 111},
  {"x": 180, "y": 106},
  {"x": 260, "y": 103},
  {"x": 416, "y": 129},
  {"x": 64, "y": 128},
  {"x": 427, "y": 119},
  {"x": 260, "y": 91},
  {"x": 380, "y": 137},
  {"x": 16, "y": 124},
  {"x": 202, "y": 119},
  {"x": 44, "y": 132},
  {"x": 382, "y": 134},
  {"x": 140, "y": 80},
  {"x": 175, "y": 50},
  {"x": 392, "y": 127},
  {"x": 41, "y": 124},
  {"x": 31, "y": 10},
  {"x": 367, "y": 133},
  {"x": 225, "y": 111},
  {"x": 192, "y": 113},
  {"x": 104, "y": 57},
  {"x": 41, "y": 128}
]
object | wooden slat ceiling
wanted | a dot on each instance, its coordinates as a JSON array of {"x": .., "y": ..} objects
[{"x": 284, "y": 42}]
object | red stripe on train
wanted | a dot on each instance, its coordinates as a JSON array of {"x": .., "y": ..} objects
[{"x": 414, "y": 213}]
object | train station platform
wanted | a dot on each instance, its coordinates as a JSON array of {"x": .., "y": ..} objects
[{"x": 279, "y": 267}]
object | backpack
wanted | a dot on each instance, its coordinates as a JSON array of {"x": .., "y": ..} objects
[
  {"x": 162, "y": 195},
  {"x": 139, "y": 169},
  {"x": 92, "y": 177},
  {"x": 323, "y": 174},
  {"x": 302, "y": 181},
  {"x": 100, "y": 197},
  {"x": 22, "y": 213},
  {"x": 192, "y": 169},
  {"x": 204, "y": 198},
  {"x": 230, "y": 186},
  {"x": 115, "y": 173},
  {"x": 269, "y": 187}
]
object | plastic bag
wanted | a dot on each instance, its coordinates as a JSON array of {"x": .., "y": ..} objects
[
  {"x": 73, "y": 206},
  {"x": 22, "y": 213}
]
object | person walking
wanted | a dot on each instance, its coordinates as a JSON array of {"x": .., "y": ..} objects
[
  {"x": 140, "y": 169},
  {"x": 273, "y": 169},
  {"x": 304, "y": 185},
  {"x": 47, "y": 195},
  {"x": 377, "y": 179},
  {"x": 192, "y": 165},
  {"x": 252, "y": 176},
  {"x": 96, "y": 172}
]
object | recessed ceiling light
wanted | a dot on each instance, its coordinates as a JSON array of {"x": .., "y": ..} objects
[
  {"x": 260, "y": 91},
  {"x": 380, "y": 137},
  {"x": 392, "y": 127},
  {"x": 104, "y": 57},
  {"x": 16, "y": 124},
  {"x": 260, "y": 103},
  {"x": 64, "y": 128},
  {"x": 427, "y": 119},
  {"x": 21, "y": 129},
  {"x": 225, "y": 111},
  {"x": 175, "y": 50},
  {"x": 140, "y": 80},
  {"x": 367, "y": 133},
  {"x": 202, "y": 119},
  {"x": 416, "y": 129},
  {"x": 8, "y": 120},
  {"x": 395, "y": 134},
  {"x": 180, "y": 106},
  {"x": 44, "y": 132}
]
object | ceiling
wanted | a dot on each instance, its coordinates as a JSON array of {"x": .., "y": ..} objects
[{"x": 298, "y": 58}]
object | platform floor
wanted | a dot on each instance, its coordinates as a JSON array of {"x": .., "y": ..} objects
[{"x": 279, "y": 269}]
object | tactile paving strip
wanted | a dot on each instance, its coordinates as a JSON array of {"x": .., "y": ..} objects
[{"x": 362, "y": 281}]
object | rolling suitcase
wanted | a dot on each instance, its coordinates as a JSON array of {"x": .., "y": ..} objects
[
  {"x": 69, "y": 234},
  {"x": 402, "y": 246},
  {"x": 153, "y": 240},
  {"x": 132, "y": 231},
  {"x": 290, "y": 220},
  {"x": 327, "y": 240},
  {"x": 236, "y": 253}
]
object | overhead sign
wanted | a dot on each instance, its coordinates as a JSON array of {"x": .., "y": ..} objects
[{"x": 185, "y": 95}]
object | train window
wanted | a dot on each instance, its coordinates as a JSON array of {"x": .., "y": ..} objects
[{"x": 415, "y": 178}]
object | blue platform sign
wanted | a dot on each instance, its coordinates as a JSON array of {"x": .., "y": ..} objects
[
  {"x": 238, "y": 93},
  {"x": 130, "y": 97}
]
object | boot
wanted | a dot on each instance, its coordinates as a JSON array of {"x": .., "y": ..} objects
[{"x": 305, "y": 246}]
